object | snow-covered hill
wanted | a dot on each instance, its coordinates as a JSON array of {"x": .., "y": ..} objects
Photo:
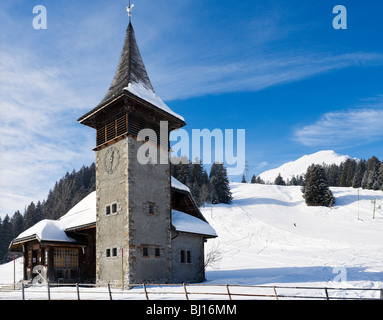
[
  {"x": 268, "y": 235},
  {"x": 299, "y": 166}
]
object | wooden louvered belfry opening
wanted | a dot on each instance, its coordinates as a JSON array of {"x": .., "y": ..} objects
[
  {"x": 112, "y": 129},
  {"x": 127, "y": 124}
]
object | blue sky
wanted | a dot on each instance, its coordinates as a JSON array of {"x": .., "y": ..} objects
[{"x": 277, "y": 69}]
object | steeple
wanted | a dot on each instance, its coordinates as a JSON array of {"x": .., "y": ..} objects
[
  {"x": 131, "y": 69},
  {"x": 131, "y": 79}
]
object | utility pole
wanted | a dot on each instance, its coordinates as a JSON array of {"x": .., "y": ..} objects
[
  {"x": 375, "y": 208},
  {"x": 358, "y": 204}
]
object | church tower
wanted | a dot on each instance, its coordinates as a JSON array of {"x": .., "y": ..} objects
[{"x": 133, "y": 225}]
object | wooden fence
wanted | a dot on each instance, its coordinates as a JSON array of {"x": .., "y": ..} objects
[{"x": 184, "y": 291}]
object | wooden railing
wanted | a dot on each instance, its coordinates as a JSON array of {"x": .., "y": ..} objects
[{"x": 184, "y": 291}]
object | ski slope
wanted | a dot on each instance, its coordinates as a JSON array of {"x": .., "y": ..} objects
[
  {"x": 299, "y": 167},
  {"x": 269, "y": 236}
]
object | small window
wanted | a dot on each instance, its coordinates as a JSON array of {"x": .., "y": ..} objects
[
  {"x": 151, "y": 208},
  {"x": 107, "y": 210},
  {"x": 188, "y": 256},
  {"x": 182, "y": 256},
  {"x": 114, "y": 252},
  {"x": 145, "y": 252},
  {"x": 114, "y": 207},
  {"x": 108, "y": 253},
  {"x": 157, "y": 252}
]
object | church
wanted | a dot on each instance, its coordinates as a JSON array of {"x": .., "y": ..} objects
[{"x": 141, "y": 225}]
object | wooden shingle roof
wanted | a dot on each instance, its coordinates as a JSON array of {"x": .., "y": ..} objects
[{"x": 131, "y": 78}]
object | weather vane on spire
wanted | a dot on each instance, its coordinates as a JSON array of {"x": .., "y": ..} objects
[{"x": 129, "y": 9}]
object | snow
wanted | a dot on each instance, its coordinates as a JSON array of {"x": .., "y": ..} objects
[
  {"x": 82, "y": 214},
  {"x": 140, "y": 91},
  {"x": 299, "y": 166},
  {"x": 178, "y": 185},
  {"x": 268, "y": 236},
  {"x": 46, "y": 230},
  {"x": 187, "y": 223}
]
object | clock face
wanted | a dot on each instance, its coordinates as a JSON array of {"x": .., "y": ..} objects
[{"x": 111, "y": 160}]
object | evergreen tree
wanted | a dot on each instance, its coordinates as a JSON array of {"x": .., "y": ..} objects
[
  {"x": 332, "y": 174},
  {"x": 365, "y": 179},
  {"x": 293, "y": 181},
  {"x": 204, "y": 194},
  {"x": 380, "y": 177},
  {"x": 301, "y": 180},
  {"x": 17, "y": 224},
  {"x": 243, "y": 179},
  {"x": 359, "y": 171},
  {"x": 197, "y": 172},
  {"x": 220, "y": 183},
  {"x": 316, "y": 189},
  {"x": 371, "y": 179},
  {"x": 259, "y": 180},
  {"x": 253, "y": 179},
  {"x": 6, "y": 238},
  {"x": 279, "y": 181},
  {"x": 30, "y": 218}
]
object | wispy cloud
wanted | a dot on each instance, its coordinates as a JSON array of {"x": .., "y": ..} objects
[
  {"x": 343, "y": 128},
  {"x": 39, "y": 140},
  {"x": 191, "y": 79}
]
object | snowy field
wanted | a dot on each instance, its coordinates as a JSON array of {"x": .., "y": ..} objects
[{"x": 269, "y": 237}]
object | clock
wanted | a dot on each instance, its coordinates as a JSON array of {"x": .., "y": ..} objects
[{"x": 111, "y": 160}]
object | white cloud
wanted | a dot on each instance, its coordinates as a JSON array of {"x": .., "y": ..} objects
[
  {"x": 39, "y": 140},
  {"x": 344, "y": 128},
  {"x": 186, "y": 79}
]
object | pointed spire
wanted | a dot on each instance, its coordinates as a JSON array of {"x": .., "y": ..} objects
[
  {"x": 130, "y": 78},
  {"x": 130, "y": 68}
]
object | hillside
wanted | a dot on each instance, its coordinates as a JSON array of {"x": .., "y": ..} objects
[
  {"x": 269, "y": 235},
  {"x": 299, "y": 166}
]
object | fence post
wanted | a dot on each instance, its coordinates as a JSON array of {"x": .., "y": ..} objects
[
  {"x": 275, "y": 291},
  {"x": 228, "y": 291},
  {"x": 49, "y": 291},
  {"x": 146, "y": 293},
  {"x": 110, "y": 292},
  {"x": 78, "y": 291},
  {"x": 22, "y": 291},
  {"x": 186, "y": 293},
  {"x": 325, "y": 290}
]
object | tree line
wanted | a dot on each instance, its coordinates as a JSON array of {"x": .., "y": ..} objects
[
  {"x": 205, "y": 188},
  {"x": 74, "y": 186},
  {"x": 315, "y": 183},
  {"x": 66, "y": 193},
  {"x": 366, "y": 174}
]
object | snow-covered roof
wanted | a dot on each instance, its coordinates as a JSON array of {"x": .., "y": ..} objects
[
  {"x": 186, "y": 223},
  {"x": 142, "y": 92},
  {"x": 46, "y": 230},
  {"x": 179, "y": 185},
  {"x": 131, "y": 76},
  {"x": 82, "y": 214}
]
